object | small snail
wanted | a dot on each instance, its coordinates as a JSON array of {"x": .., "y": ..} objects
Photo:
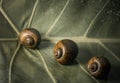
[
  {"x": 30, "y": 37},
  {"x": 65, "y": 51},
  {"x": 98, "y": 67}
]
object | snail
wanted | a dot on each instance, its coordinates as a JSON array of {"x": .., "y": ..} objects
[
  {"x": 65, "y": 51},
  {"x": 99, "y": 67},
  {"x": 30, "y": 37}
]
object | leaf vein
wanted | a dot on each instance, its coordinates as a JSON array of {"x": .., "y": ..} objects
[
  {"x": 11, "y": 63},
  {"x": 9, "y": 21},
  {"x": 56, "y": 20},
  {"x": 46, "y": 67},
  {"x": 94, "y": 19},
  {"x": 32, "y": 14}
]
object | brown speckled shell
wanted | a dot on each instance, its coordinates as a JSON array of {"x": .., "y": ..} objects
[
  {"x": 30, "y": 32},
  {"x": 103, "y": 67},
  {"x": 69, "y": 51}
]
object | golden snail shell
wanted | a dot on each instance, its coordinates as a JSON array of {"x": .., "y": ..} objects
[
  {"x": 65, "y": 51},
  {"x": 30, "y": 37},
  {"x": 98, "y": 67}
]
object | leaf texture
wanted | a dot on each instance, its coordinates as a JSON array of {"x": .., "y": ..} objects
[{"x": 92, "y": 24}]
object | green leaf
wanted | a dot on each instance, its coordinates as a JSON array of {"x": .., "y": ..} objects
[{"x": 92, "y": 24}]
